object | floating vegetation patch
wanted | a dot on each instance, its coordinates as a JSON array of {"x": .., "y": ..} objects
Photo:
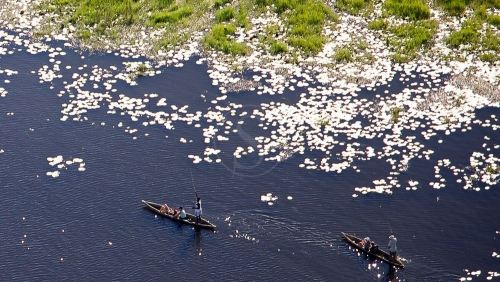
[
  {"x": 482, "y": 169},
  {"x": 470, "y": 275},
  {"x": 62, "y": 164},
  {"x": 343, "y": 55},
  {"x": 8, "y": 72},
  {"x": 269, "y": 198}
]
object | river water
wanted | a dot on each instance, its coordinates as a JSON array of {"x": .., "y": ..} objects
[{"x": 89, "y": 224}]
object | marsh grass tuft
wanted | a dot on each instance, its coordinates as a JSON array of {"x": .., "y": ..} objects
[
  {"x": 343, "y": 55},
  {"x": 459, "y": 101},
  {"x": 457, "y": 7},
  {"x": 323, "y": 122},
  {"x": 352, "y": 6},
  {"x": 99, "y": 12},
  {"x": 494, "y": 20},
  {"x": 220, "y": 3},
  {"x": 467, "y": 35},
  {"x": 278, "y": 48},
  {"x": 489, "y": 58},
  {"x": 172, "y": 15},
  {"x": 395, "y": 114},
  {"x": 411, "y": 9},
  {"x": 378, "y": 24},
  {"x": 305, "y": 20},
  {"x": 493, "y": 168},
  {"x": 225, "y": 15},
  {"x": 142, "y": 68},
  {"x": 242, "y": 19},
  {"x": 218, "y": 39},
  {"x": 411, "y": 38}
]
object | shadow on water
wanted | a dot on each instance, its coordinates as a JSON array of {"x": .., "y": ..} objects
[{"x": 195, "y": 240}]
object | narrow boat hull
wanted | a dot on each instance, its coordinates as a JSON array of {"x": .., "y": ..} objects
[
  {"x": 381, "y": 255},
  {"x": 189, "y": 220}
]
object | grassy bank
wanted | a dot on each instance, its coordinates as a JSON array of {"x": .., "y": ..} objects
[
  {"x": 300, "y": 30},
  {"x": 94, "y": 19}
]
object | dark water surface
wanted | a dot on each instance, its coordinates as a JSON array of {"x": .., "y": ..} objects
[{"x": 91, "y": 225}]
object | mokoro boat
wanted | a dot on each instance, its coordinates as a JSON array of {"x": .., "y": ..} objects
[
  {"x": 381, "y": 255},
  {"x": 190, "y": 218}
]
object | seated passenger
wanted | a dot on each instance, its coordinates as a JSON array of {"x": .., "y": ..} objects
[
  {"x": 182, "y": 213},
  {"x": 361, "y": 243},
  {"x": 179, "y": 213},
  {"x": 367, "y": 244},
  {"x": 374, "y": 248},
  {"x": 164, "y": 208}
]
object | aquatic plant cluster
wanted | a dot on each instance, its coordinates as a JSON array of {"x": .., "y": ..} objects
[
  {"x": 440, "y": 94},
  {"x": 62, "y": 164}
]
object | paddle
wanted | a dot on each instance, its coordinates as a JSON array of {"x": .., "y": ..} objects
[
  {"x": 192, "y": 181},
  {"x": 389, "y": 225}
]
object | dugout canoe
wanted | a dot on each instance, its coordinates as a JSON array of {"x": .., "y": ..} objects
[
  {"x": 380, "y": 254},
  {"x": 190, "y": 218}
]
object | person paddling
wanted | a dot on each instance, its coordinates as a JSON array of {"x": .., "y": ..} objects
[
  {"x": 392, "y": 246},
  {"x": 197, "y": 208}
]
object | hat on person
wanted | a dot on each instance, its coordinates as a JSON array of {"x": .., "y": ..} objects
[{"x": 391, "y": 237}]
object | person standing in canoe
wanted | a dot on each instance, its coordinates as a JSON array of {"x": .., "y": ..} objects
[
  {"x": 197, "y": 208},
  {"x": 392, "y": 246}
]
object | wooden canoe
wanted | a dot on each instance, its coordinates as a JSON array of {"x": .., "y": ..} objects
[
  {"x": 190, "y": 218},
  {"x": 381, "y": 255}
]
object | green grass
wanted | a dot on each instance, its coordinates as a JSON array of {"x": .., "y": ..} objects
[
  {"x": 218, "y": 39},
  {"x": 343, "y": 55},
  {"x": 481, "y": 13},
  {"x": 491, "y": 41},
  {"x": 163, "y": 4},
  {"x": 225, "y": 15},
  {"x": 494, "y": 20},
  {"x": 142, "y": 68},
  {"x": 220, "y": 3},
  {"x": 173, "y": 39},
  {"x": 468, "y": 35},
  {"x": 278, "y": 48},
  {"x": 453, "y": 7},
  {"x": 411, "y": 9},
  {"x": 489, "y": 58},
  {"x": 172, "y": 15},
  {"x": 412, "y": 38},
  {"x": 493, "y": 168},
  {"x": 378, "y": 24},
  {"x": 85, "y": 34},
  {"x": 457, "y": 7},
  {"x": 304, "y": 20},
  {"x": 352, "y": 6},
  {"x": 323, "y": 122},
  {"x": 395, "y": 114},
  {"x": 242, "y": 18},
  {"x": 94, "y": 12}
]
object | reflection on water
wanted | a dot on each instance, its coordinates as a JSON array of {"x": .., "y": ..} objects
[{"x": 196, "y": 241}]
